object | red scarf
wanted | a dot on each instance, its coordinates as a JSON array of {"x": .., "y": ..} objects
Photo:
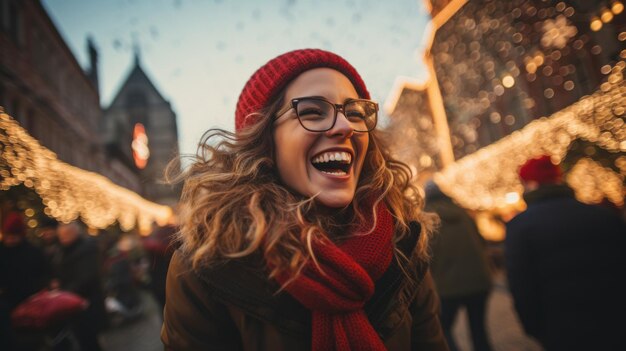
[{"x": 337, "y": 295}]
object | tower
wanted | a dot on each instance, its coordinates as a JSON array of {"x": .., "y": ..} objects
[{"x": 140, "y": 128}]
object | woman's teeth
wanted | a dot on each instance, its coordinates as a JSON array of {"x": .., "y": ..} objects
[
  {"x": 338, "y": 172},
  {"x": 333, "y": 162},
  {"x": 343, "y": 157}
]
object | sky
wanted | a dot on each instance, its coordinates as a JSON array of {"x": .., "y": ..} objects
[{"x": 200, "y": 53}]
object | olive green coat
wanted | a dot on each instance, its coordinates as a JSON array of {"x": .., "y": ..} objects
[{"x": 459, "y": 264}]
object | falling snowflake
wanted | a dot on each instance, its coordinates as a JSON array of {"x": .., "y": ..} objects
[{"x": 557, "y": 32}]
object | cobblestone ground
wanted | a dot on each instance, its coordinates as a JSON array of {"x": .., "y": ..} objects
[
  {"x": 504, "y": 330},
  {"x": 142, "y": 334},
  {"x": 503, "y": 327}
]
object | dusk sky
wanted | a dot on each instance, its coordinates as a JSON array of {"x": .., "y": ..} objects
[{"x": 199, "y": 53}]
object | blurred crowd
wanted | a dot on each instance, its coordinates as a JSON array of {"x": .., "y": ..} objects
[
  {"x": 108, "y": 272},
  {"x": 563, "y": 261}
]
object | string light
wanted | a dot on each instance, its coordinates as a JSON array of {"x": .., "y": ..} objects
[
  {"x": 471, "y": 55},
  {"x": 606, "y": 15},
  {"x": 508, "y": 81},
  {"x": 487, "y": 178},
  {"x": 512, "y": 197},
  {"x": 557, "y": 32},
  {"x": 68, "y": 192},
  {"x": 595, "y": 24},
  {"x": 617, "y": 7},
  {"x": 471, "y": 51}
]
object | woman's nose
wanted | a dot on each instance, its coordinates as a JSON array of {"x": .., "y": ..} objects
[{"x": 342, "y": 127}]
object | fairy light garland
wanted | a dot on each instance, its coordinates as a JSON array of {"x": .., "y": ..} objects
[
  {"x": 482, "y": 180},
  {"x": 68, "y": 192},
  {"x": 488, "y": 60}
]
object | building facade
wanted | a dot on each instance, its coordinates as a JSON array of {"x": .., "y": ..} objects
[
  {"x": 497, "y": 66},
  {"x": 140, "y": 129},
  {"x": 503, "y": 64},
  {"x": 45, "y": 89},
  {"x": 511, "y": 80},
  {"x": 43, "y": 86},
  {"x": 412, "y": 135}
]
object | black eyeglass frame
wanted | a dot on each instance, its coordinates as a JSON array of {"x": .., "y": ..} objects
[{"x": 336, "y": 107}]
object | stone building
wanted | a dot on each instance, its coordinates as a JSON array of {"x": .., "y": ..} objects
[
  {"x": 501, "y": 65},
  {"x": 45, "y": 89},
  {"x": 497, "y": 66},
  {"x": 43, "y": 86},
  {"x": 511, "y": 80},
  {"x": 140, "y": 129}
]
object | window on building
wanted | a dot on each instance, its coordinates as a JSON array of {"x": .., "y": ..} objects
[
  {"x": 4, "y": 15},
  {"x": 39, "y": 54},
  {"x": 13, "y": 19}
]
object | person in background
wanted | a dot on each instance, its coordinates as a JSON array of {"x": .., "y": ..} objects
[
  {"x": 566, "y": 265},
  {"x": 459, "y": 267},
  {"x": 21, "y": 263},
  {"x": 159, "y": 247},
  {"x": 49, "y": 243},
  {"x": 79, "y": 270},
  {"x": 22, "y": 272},
  {"x": 125, "y": 270},
  {"x": 299, "y": 231}
]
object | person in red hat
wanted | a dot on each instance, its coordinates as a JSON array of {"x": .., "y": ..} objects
[
  {"x": 298, "y": 230},
  {"x": 565, "y": 262},
  {"x": 22, "y": 272}
]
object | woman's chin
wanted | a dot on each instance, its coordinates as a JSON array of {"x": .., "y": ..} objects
[{"x": 334, "y": 201}]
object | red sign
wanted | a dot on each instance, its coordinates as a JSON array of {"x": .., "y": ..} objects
[{"x": 141, "y": 152}]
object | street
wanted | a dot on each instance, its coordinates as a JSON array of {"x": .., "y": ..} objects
[
  {"x": 503, "y": 327},
  {"x": 141, "y": 334}
]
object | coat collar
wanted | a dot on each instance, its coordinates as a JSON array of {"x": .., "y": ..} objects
[
  {"x": 243, "y": 283},
  {"x": 548, "y": 191}
]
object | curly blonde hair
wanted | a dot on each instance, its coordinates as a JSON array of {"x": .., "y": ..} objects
[{"x": 234, "y": 204}]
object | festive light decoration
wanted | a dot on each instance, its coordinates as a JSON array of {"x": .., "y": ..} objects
[
  {"x": 486, "y": 178},
  {"x": 411, "y": 135},
  {"x": 606, "y": 15},
  {"x": 508, "y": 81},
  {"x": 69, "y": 192},
  {"x": 617, "y": 7},
  {"x": 494, "y": 67},
  {"x": 500, "y": 65},
  {"x": 557, "y": 32}
]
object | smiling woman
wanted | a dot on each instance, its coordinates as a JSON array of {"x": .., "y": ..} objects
[
  {"x": 299, "y": 231},
  {"x": 299, "y": 151}
]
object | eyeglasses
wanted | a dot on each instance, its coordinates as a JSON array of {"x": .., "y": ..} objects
[{"x": 316, "y": 114}]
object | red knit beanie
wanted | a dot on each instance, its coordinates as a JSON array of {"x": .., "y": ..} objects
[
  {"x": 13, "y": 224},
  {"x": 540, "y": 170},
  {"x": 272, "y": 77}
]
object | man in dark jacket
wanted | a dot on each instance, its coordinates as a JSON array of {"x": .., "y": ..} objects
[
  {"x": 78, "y": 269},
  {"x": 566, "y": 265}
]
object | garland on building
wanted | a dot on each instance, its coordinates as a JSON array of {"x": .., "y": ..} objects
[
  {"x": 488, "y": 178},
  {"x": 494, "y": 69},
  {"x": 68, "y": 192}
]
